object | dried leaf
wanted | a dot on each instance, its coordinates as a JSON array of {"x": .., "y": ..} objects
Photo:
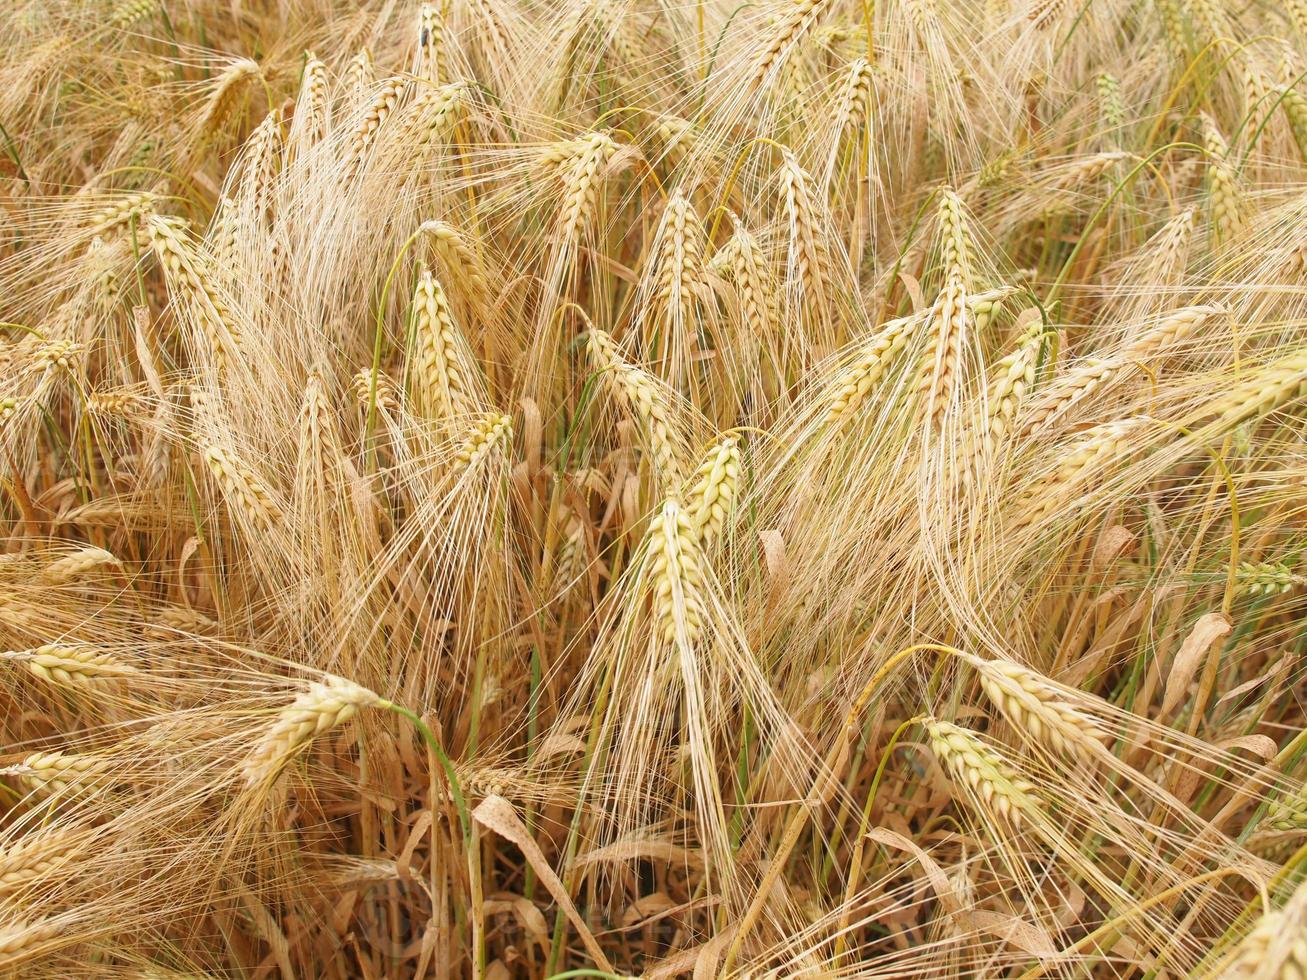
[{"x": 1205, "y": 632}]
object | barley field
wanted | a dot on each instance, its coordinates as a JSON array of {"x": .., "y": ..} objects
[{"x": 615, "y": 488}]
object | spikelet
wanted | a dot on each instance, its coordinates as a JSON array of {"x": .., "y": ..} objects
[
  {"x": 431, "y": 42},
  {"x": 358, "y": 75},
  {"x": 1269, "y": 388},
  {"x": 1276, "y": 946},
  {"x": 429, "y": 119},
  {"x": 866, "y": 369},
  {"x": 981, "y": 768},
  {"x": 374, "y": 117},
  {"x": 40, "y": 854},
  {"x": 1090, "y": 376},
  {"x": 62, "y": 773},
  {"x": 17, "y": 939},
  {"x": 1096, "y": 451},
  {"x": 646, "y": 399},
  {"x": 676, "y": 571},
  {"x": 461, "y": 257},
  {"x": 806, "y": 255},
  {"x": 1110, "y": 107},
  {"x": 754, "y": 283},
  {"x": 1267, "y": 578},
  {"x": 492, "y": 431},
  {"x": 949, "y": 318},
  {"x": 112, "y": 403},
  {"x": 71, "y": 666},
  {"x": 242, "y": 488},
  {"x": 262, "y": 157},
  {"x": 77, "y": 564},
  {"x": 312, "y": 118},
  {"x": 1170, "y": 247},
  {"x": 189, "y": 284},
  {"x": 442, "y": 373},
  {"x": 1289, "y": 813},
  {"x": 1222, "y": 187},
  {"x": 1034, "y": 707},
  {"x": 387, "y": 392},
  {"x": 227, "y": 90},
  {"x": 58, "y": 355},
  {"x": 578, "y": 164},
  {"x": 1012, "y": 376},
  {"x": 790, "y": 27},
  {"x": 495, "y": 33},
  {"x": 854, "y": 97},
  {"x": 677, "y": 137},
  {"x": 323, "y": 706},
  {"x": 1175, "y": 327},
  {"x": 567, "y": 564},
  {"x": 713, "y": 491},
  {"x": 130, "y": 13},
  {"x": 171, "y": 620},
  {"x": 120, "y": 212}
]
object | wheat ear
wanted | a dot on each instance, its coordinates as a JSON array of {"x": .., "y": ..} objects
[
  {"x": 492, "y": 431},
  {"x": 645, "y": 398},
  {"x": 77, "y": 564},
  {"x": 1036, "y": 708},
  {"x": 713, "y": 490},
  {"x": 323, "y": 706},
  {"x": 676, "y": 570},
  {"x": 980, "y": 767},
  {"x": 71, "y": 666},
  {"x": 242, "y": 487}
]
